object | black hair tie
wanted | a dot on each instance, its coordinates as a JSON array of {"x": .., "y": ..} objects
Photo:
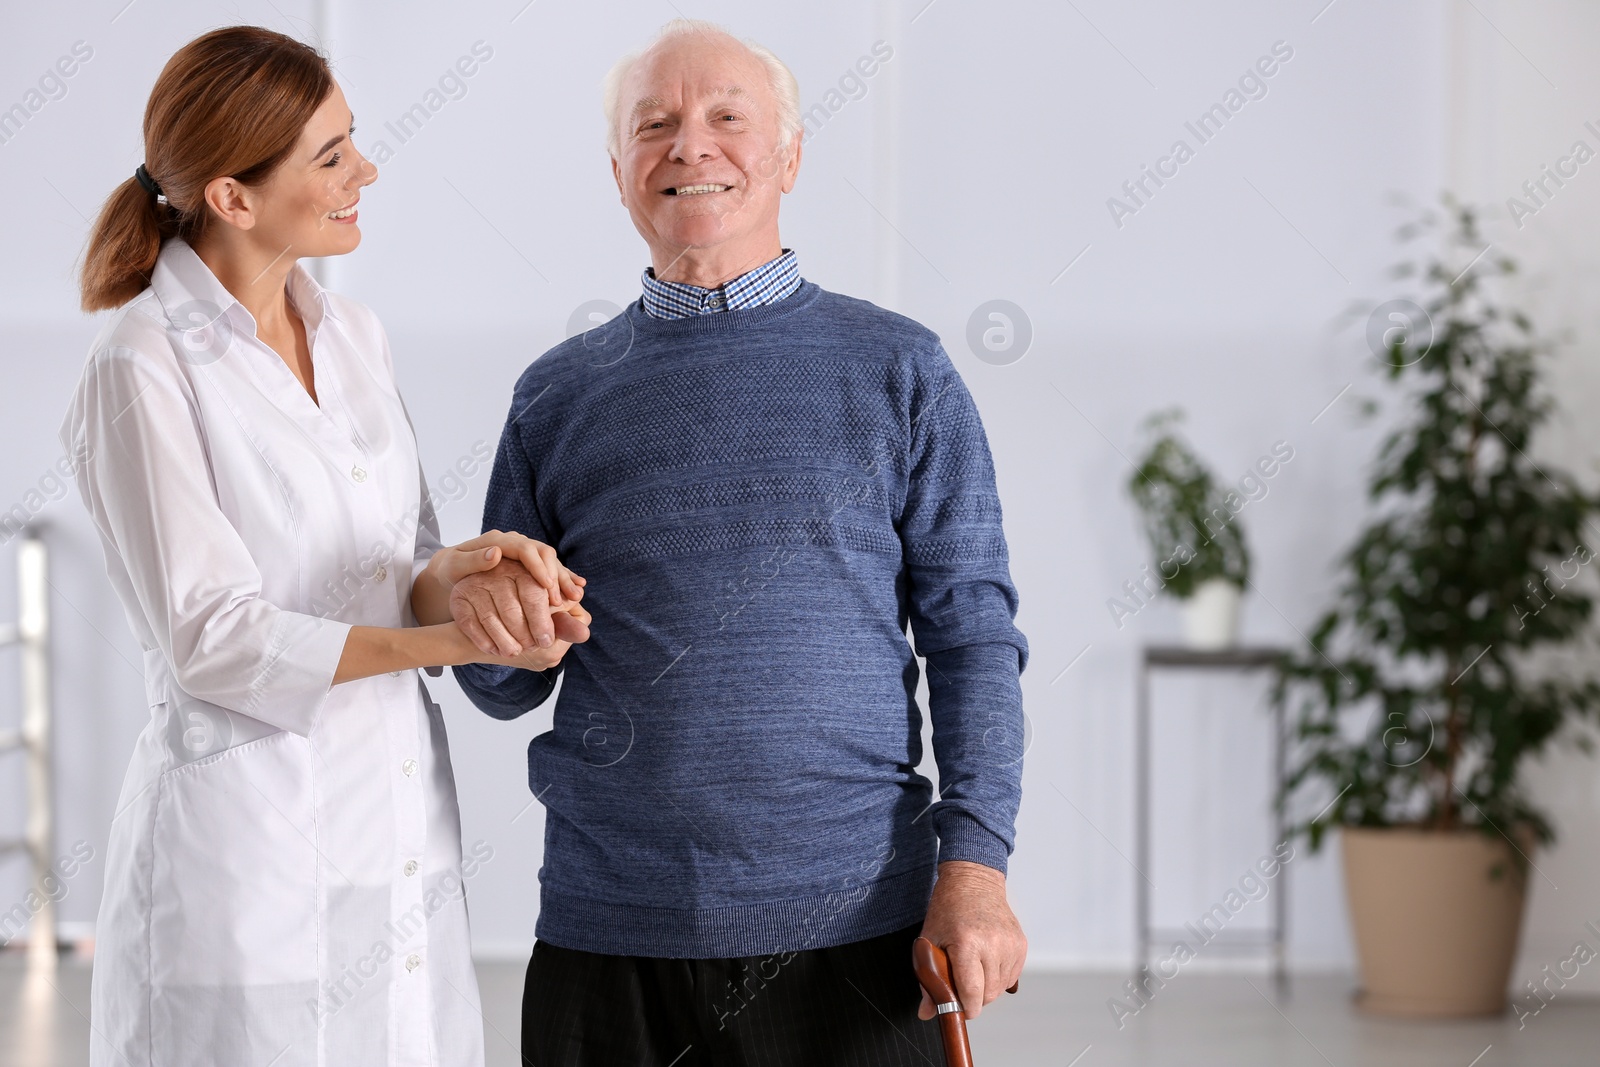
[{"x": 150, "y": 184}]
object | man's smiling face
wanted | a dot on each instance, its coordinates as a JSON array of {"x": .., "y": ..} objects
[{"x": 701, "y": 163}]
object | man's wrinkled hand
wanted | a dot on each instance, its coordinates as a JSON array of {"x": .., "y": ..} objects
[
  {"x": 505, "y": 611},
  {"x": 571, "y": 626},
  {"x": 969, "y": 918}
]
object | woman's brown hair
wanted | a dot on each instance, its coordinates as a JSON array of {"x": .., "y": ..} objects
[{"x": 231, "y": 103}]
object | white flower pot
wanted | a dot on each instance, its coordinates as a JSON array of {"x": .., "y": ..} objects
[{"x": 1211, "y": 615}]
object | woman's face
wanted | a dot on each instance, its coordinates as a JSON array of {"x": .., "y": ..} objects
[{"x": 307, "y": 207}]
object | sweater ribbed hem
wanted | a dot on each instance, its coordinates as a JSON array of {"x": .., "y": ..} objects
[{"x": 834, "y": 918}]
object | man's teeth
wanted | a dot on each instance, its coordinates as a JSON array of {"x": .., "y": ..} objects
[
  {"x": 343, "y": 213},
  {"x": 694, "y": 190}
]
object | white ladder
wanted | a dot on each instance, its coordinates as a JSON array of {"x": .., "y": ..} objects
[{"x": 32, "y": 633}]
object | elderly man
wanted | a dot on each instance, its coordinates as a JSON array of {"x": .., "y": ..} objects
[{"x": 762, "y": 482}]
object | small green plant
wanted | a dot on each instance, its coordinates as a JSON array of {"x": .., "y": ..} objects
[
  {"x": 1470, "y": 565},
  {"x": 1191, "y": 531}
]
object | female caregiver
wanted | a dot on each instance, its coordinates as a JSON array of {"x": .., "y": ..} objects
[{"x": 284, "y": 880}]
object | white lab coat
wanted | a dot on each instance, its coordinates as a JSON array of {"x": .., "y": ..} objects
[{"x": 284, "y": 880}]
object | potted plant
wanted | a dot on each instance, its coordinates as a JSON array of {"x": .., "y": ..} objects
[
  {"x": 1200, "y": 553},
  {"x": 1469, "y": 565}
]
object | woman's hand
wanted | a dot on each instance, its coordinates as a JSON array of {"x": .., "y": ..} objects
[
  {"x": 438, "y": 640},
  {"x": 450, "y": 565},
  {"x": 501, "y": 587}
]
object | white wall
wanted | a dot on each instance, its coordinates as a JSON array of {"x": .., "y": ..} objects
[
  {"x": 977, "y": 166},
  {"x": 1527, "y": 85}
]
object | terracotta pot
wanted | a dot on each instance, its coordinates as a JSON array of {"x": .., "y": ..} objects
[{"x": 1436, "y": 918}]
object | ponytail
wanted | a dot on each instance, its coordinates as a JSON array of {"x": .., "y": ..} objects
[{"x": 123, "y": 247}]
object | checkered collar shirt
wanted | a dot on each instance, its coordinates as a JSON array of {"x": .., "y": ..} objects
[{"x": 767, "y": 284}]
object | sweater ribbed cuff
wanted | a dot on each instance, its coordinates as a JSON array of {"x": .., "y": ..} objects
[
  {"x": 962, "y": 837},
  {"x": 503, "y": 692}
]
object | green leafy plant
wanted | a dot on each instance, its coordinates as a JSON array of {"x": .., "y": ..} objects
[
  {"x": 1193, "y": 534},
  {"x": 1474, "y": 560}
]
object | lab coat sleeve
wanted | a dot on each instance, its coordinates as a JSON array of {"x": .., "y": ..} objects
[
  {"x": 147, "y": 481},
  {"x": 428, "y": 541}
]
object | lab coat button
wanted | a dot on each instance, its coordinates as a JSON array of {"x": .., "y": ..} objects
[
  {"x": 411, "y": 868},
  {"x": 410, "y": 767},
  {"x": 380, "y": 574},
  {"x": 358, "y": 474},
  {"x": 413, "y": 961}
]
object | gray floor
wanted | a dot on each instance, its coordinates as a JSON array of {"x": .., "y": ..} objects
[{"x": 1057, "y": 1020}]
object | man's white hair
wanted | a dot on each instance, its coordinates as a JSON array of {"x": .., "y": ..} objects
[{"x": 781, "y": 80}]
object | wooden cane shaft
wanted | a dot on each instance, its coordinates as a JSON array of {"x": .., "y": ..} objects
[{"x": 953, "y": 1029}]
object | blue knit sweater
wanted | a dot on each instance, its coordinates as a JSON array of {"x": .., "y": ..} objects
[{"x": 760, "y": 500}]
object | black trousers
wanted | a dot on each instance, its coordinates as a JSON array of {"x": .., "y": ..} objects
[{"x": 851, "y": 1005}]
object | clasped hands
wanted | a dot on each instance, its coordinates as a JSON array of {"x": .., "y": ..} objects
[
  {"x": 513, "y": 599},
  {"x": 519, "y": 606}
]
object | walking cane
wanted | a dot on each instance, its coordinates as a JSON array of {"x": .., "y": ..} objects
[{"x": 933, "y": 971}]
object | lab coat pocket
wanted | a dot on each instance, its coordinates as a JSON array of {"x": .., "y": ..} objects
[{"x": 234, "y": 904}]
